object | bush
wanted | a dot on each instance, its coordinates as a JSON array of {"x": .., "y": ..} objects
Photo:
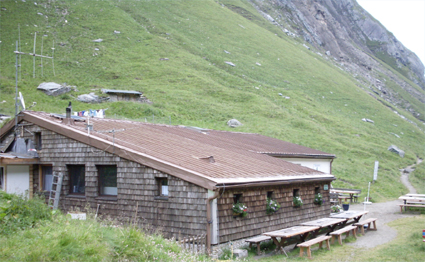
[{"x": 18, "y": 212}]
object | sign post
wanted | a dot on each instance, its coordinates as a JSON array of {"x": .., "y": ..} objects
[{"x": 375, "y": 171}]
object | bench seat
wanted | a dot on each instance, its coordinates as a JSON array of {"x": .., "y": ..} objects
[
  {"x": 368, "y": 221},
  {"x": 422, "y": 204},
  {"x": 318, "y": 240},
  {"x": 339, "y": 232},
  {"x": 257, "y": 241}
]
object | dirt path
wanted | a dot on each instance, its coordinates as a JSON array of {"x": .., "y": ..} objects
[{"x": 385, "y": 212}]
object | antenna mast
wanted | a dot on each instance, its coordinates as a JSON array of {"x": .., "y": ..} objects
[{"x": 18, "y": 53}]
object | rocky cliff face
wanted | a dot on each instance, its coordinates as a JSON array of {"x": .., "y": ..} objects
[{"x": 355, "y": 41}]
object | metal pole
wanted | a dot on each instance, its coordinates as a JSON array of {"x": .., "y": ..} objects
[
  {"x": 16, "y": 93},
  {"x": 20, "y": 60},
  {"x": 42, "y": 40},
  {"x": 33, "y": 60},
  {"x": 53, "y": 63}
]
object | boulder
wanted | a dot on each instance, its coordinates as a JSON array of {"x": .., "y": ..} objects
[
  {"x": 367, "y": 120},
  {"x": 240, "y": 253},
  {"x": 408, "y": 170},
  {"x": 233, "y": 123},
  {"x": 54, "y": 89},
  {"x": 395, "y": 149}
]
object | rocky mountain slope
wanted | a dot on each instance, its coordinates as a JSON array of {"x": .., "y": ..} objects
[{"x": 355, "y": 41}]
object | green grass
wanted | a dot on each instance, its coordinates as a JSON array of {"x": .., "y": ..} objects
[
  {"x": 195, "y": 86},
  {"x": 417, "y": 178},
  {"x": 29, "y": 231},
  {"x": 19, "y": 213}
]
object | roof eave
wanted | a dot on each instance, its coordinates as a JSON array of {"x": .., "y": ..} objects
[
  {"x": 276, "y": 183},
  {"x": 314, "y": 156}
]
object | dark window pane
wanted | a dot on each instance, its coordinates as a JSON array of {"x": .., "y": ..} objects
[
  {"x": 47, "y": 175},
  {"x": 107, "y": 180},
  {"x": 77, "y": 179}
]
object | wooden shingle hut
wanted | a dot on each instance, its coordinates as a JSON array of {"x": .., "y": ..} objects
[{"x": 179, "y": 179}]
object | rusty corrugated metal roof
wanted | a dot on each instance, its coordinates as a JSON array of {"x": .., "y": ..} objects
[{"x": 187, "y": 152}]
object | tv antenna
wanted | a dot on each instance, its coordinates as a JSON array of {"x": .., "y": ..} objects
[
  {"x": 113, "y": 131},
  {"x": 18, "y": 53}
]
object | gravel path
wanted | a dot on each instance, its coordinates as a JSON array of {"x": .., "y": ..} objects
[{"x": 385, "y": 212}]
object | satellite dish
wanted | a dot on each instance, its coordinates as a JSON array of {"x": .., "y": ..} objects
[{"x": 21, "y": 98}]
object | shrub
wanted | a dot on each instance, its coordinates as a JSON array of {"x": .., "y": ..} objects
[
  {"x": 18, "y": 212},
  {"x": 335, "y": 209},
  {"x": 297, "y": 201},
  {"x": 271, "y": 206},
  {"x": 240, "y": 208},
  {"x": 318, "y": 200}
]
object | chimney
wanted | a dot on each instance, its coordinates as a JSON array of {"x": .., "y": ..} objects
[
  {"x": 68, "y": 120},
  {"x": 68, "y": 110}
]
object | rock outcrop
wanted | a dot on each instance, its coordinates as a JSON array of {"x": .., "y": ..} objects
[{"x": 354, "y": 41}]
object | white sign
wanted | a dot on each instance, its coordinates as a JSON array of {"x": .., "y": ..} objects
[{"x": 375, "y": 172}]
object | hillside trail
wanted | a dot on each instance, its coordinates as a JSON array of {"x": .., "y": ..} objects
[{"x": 385, "y": 212}]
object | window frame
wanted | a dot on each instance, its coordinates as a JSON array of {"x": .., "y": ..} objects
[
  {"x": 100, "y": 183},
  {"x": 2, "y": 178},
  {"x": 270, "y": 194},
  {"x": 237, "y": 198},
  {"x": 70, "y": 177},
  {"x": 38, "y": 141},
  {"x": 159, "y": 182},
  {"x": 317, "y": 190},
  {"x": 42, "y": 178}
]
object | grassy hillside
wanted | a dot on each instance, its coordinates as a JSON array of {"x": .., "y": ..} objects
[
  {"x": 30, "y": 231},
  {"x": 194, "y": 85}
]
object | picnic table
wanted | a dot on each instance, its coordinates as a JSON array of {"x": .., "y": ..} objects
[
  {"x": 412, "y": 200},
  {"x": 284, "y": 234},
  {"x": 328, "y": 222},
  {"x": 352, "y": 193},
  {"x": 409, "y": 199},
  {"x": 348, "y": 215},
  {"x": 415, "y": 195}
]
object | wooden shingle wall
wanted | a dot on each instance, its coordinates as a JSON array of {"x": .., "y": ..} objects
[
  {"x": 183, "y": 211},
  {"x": 257, "y": 221}
]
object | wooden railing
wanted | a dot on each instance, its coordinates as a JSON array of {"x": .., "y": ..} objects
[{"x": 194, "y": 244}]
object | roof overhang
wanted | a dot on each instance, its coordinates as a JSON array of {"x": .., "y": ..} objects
[
  {"x": 272, "y": 181},
  {"x": 12, "y": 159},
  {"x": 310, "y": 156}
]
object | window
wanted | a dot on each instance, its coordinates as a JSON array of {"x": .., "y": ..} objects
[
  {"x": 46, "y": 177},
  {"x": 296, "y": 192},
  {"x": 37, "y": 141},
  {"x": 316, "y": 190},
  {"x": 162, "y": 183},
  {"x": 270, "y": 194},
  {"x": 107, "y": 180},
  {"x": 1, "y": 178},
  {"x": 237, "y": 198},
  {"x": 77, "y": 179}
]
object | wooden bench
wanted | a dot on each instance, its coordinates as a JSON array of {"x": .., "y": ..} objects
[
  {"x": 333, "y": 198},
  {"x": 341, "y": 231},
  {"x": 309, "y": 243},
  {"x": 411, "y": 205},
  {"x": 346, "y": 193},
  {"x": 368, "y": 221},
  {"x": 257, "y": 241}
]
